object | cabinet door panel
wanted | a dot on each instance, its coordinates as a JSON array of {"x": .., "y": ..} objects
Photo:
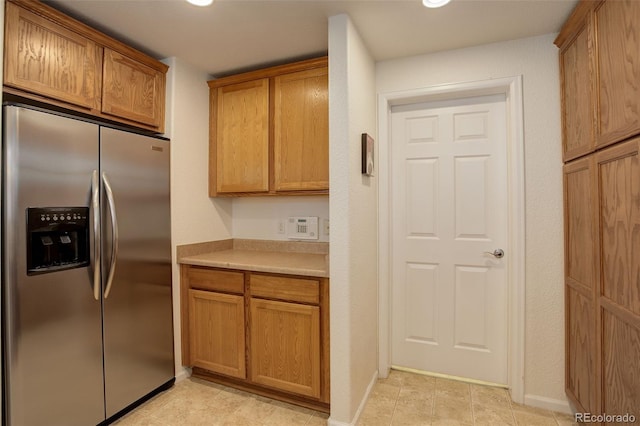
[
  {"x": 619, "y": 70},
  {"x": 620, "y": 369},
  {"x": 216, "y": 332},
  {"x": 577, "y": 104},
  {"x": 301, "y": 131},
  {"x": 580, "y": 349},
  {"x": 285, "y": 346},
  {"x": 619, "y": 183},
  {"x": 132, "y": 90},
  {"x": 581, "y": 232},
  {"x": 581, "y": 278},
  {"x": 45, "y": 58},
  {"x": 241, "y": 142}
]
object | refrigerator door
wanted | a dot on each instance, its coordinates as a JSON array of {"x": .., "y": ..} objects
[
  {"x": 52, "y": 321},
  {"x": 138, "y": 326}
]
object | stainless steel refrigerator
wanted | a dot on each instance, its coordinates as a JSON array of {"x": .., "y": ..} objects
[{"x": 86, "y": 269}]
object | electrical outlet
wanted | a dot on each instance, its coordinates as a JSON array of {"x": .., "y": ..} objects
[
  {"x": 325, "y": 226},
  {"x": 281, "y": 227}
]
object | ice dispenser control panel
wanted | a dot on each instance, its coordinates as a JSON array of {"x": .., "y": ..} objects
[{"x": 57, "y": 238}]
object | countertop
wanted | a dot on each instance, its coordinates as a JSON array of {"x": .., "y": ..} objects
[{"x": 280, "y": 257}]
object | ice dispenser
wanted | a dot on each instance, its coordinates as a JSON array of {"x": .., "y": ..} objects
[{"x": 57, "y": 239}]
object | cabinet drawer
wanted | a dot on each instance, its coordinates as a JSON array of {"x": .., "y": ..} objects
[
  {"x": 215, "y": 280},
  {"x": 284, "y": 288}
]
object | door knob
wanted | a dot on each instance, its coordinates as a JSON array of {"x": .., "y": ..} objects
[{"x": 497, "y": 253}]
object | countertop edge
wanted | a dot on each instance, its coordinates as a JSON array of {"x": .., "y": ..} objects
[
  {"x": 255, "y": 268},
  {"x": 312, "y": 258}
]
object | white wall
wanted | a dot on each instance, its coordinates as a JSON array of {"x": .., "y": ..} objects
[
  {"x": 259, "y": 217},
  {"x": 194, "y": 216},
  {"x": 536, "y": 59},
  {"x": 353, "y": 200}
]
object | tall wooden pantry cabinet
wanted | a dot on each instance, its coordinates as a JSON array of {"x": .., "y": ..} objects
[{"x": 600, "y": 85}]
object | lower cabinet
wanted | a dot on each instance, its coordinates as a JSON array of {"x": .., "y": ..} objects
[
  {"x": 602, "y": 285},
  {"x": 266, "y": 333},
  {"x": 216, "y": 332},
  {"x": 285, "y": 346}
]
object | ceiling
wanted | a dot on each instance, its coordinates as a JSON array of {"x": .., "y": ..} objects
[{"x": 237, "y": 35}]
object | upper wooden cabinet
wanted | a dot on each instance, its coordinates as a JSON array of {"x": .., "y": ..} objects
[
  {"x": 301, "y": 131},
  {"x": 54, "y": 59},
  {"x": 241, "y": 137},
  {"x": 270, "y": 131},
  {"x": 132, "y": 90},
  {"x": 578, "y": 116},
  {"x": 33, "y": 62},
  {"x": 618, "y": 42},
  {"x": 600, "y": 62}
]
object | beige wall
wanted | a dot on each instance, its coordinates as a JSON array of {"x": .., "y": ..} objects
[
  {"x": 194, "y": 216},
  {"x": 353, "y": 212},
  {"x": 258, "y": 217},
  {"x": 536, "y": 59}
]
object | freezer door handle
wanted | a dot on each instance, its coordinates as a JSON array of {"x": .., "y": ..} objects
[
  {"x": 114, "y": 231},
  {"x": 95, "y": 206}
]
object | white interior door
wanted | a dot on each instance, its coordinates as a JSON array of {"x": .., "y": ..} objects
[{"x": 449, "y": 212}]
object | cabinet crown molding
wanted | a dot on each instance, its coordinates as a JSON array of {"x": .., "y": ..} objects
[
  {"x": 575, "y": 21},
  {"x": 320, "y": 62}
]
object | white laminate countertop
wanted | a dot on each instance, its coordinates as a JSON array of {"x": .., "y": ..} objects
[{"x": 306, "y": 259}]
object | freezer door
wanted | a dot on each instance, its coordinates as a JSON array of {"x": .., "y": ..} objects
[
  {"x": 52, "y": 322},
  {"x": 138, "y": 333}
]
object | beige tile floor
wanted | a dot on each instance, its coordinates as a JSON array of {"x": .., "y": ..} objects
[
  {"x": 194, "y": 402},
  {"x": 412, "y": 399},
  {"x": 401, "y": 399}
]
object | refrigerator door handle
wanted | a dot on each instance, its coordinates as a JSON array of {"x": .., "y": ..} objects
[
  {"x": 114, "y": 230},
  {"x": 95, "y": 205}
]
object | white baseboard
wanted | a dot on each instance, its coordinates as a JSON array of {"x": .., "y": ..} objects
[
  {"x": 559, "y": 405},
  {"x": 182, "y": 374},
  {"x": 363, "y": 402}
]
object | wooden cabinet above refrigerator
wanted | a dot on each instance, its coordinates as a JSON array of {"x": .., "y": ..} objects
[{"x": 52, "y": 58}]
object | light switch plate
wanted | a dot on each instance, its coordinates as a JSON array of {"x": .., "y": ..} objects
[{"x": 302, "y": 228}]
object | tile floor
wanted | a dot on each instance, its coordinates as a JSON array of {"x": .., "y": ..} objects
[
  {"x": 412, "y": 399},
  {"x": 195, "y": 402},
  {"x": 401, "y": 399}
]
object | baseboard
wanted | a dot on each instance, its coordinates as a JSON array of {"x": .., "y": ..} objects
[
  {"x": 363, "y": 402},
  {"x": 558, "y": 405},
  {"x": 182, "y": 374}
]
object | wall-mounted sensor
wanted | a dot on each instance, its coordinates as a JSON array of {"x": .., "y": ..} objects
[{"x": 302, "y": 228}]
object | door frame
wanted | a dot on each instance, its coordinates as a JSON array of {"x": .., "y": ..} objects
[{"x": 511, "y": 87}]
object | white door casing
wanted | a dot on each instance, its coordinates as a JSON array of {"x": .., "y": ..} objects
[
  {"x": 449, "y": 204},
  {"x": 511, "y": 87}
]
